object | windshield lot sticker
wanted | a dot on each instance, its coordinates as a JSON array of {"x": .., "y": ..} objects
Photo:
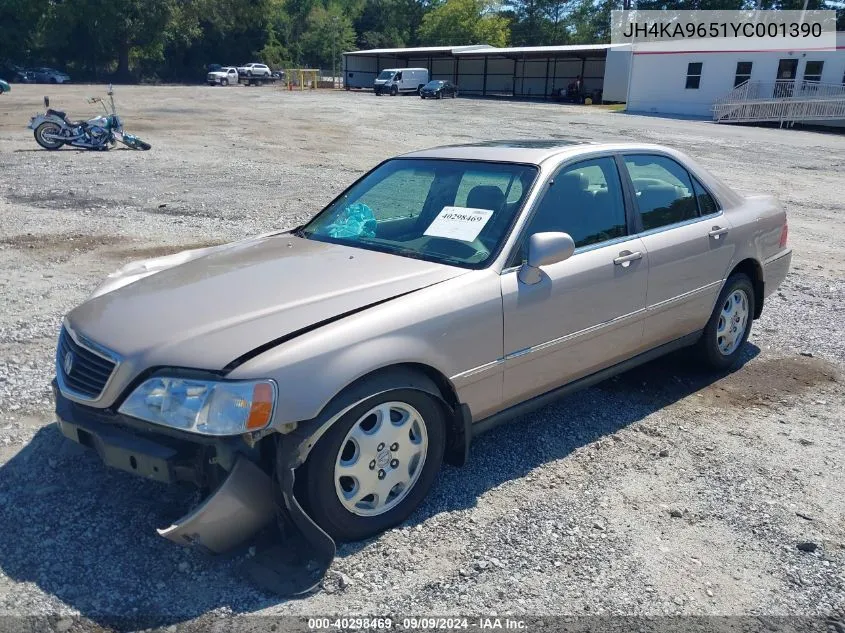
[{"x": 459, "y": 223}]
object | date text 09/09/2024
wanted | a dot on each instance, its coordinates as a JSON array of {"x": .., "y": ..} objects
[{"x": 492, "y": 623}]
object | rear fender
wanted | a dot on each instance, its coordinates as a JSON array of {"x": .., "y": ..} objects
[{"x": 38, "y": 119}]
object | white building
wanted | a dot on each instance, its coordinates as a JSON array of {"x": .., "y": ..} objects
[{"x": 688, "y": 81}]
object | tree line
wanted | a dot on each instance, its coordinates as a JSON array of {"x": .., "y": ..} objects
[{"x": 175, "y": 40}]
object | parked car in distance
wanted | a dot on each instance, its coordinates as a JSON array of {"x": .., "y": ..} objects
[
  {"x": 279, "y": 75},
  {"x": 49, "y": 76},
  {"x": 446, "y": 291},
  {"x": 223, "y": 77},
  {"x": 392, "y": 81},
  {"x": 437, "y": 89},
  {"x": 12, "y": 73},
  {"x": 254, "y": 70},
  {"x": 4, "y": 87}
]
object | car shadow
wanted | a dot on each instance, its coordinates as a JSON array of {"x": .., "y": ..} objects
[
  {"x": 85, "y": 534},
  {"x": 556, "y": 430}
]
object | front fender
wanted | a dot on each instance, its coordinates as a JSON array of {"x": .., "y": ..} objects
[{"x": 450, "y": 328}]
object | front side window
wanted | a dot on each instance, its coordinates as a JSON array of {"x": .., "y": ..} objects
[
  {"x": 449, "y": 211},
  {"x": 584, "y": 200},
  {"x": 693, "y": 75},
  {"x": 664, "y": 191},
  {"x": 743, "y": 72}
]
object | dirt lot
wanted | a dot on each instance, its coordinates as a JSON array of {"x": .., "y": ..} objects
[{"x": 660, "y": 492}]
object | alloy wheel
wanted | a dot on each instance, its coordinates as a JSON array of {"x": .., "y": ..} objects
[
  {"x": 380, "y": 459},
  {"x": 733, "y": 319}
]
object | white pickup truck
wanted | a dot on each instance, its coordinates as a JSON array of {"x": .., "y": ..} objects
[{"x": 223, "y": 77}]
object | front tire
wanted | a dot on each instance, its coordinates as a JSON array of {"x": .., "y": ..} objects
[
  {"x": 394, "y": 91},
  {"x": 224, "y": 82},
  {"x": 726, "y": 333},
  {"x": 375, "y": 465},
  {"x": 51, "y": 128}
]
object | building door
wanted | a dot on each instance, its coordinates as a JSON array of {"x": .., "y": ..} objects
[{"x": 787, "y": 69}]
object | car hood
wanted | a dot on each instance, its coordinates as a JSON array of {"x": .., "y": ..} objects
[{"x": 205, "y": 308}]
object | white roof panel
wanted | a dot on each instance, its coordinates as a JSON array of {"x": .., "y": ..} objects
[{"x": 420, "y": 50}]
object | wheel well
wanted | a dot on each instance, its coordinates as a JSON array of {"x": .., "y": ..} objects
[
  {"x": 754, "y": 271},
  {"x": 422, "y": 377}
]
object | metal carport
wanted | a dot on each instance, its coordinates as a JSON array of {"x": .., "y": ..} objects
[
  {"x": 530, "y": 71},
  {"x": 525, "y": 72}
]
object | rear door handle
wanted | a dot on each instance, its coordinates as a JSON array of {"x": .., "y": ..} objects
[
  {"x": 717, "y": 232},
  {"x": 626, "y": 257}
]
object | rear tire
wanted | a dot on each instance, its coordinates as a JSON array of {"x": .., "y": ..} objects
[
  {"x": 330, "y": 495},
  {"x": 724, "y": 337},
  {"x": 48, "y": 127},
  {"x": 439, "y": 95}
]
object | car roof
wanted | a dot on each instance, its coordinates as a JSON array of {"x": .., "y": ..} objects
[{"x": 531, "y": 151}]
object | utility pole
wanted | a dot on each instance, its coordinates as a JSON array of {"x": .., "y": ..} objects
[{"x": 334, "y": 46}]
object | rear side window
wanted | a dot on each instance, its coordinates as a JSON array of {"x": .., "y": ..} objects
[
  {"x": 664, "y": 190},
  {"x": 706, "y": 203}
]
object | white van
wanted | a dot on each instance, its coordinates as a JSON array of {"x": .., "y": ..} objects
[{"x": 395, "y": 80}]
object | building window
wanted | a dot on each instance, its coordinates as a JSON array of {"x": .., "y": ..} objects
[
  {"x": 813, "y": 71},
  {"x": 743, "y": 73},
  {"x": 693, "y": 75}
]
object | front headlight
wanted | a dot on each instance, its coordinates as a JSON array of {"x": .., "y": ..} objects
[{"x": 206, "y": 407}]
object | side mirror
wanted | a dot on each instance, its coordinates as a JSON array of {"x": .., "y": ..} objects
[
  {"x": 545, "y": 249},
  {"x": 46, "y": 102}
]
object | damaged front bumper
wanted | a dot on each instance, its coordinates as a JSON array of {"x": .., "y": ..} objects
[{"x": 246, "y": 501}]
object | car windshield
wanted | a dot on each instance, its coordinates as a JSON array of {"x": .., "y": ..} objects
[
  {"x": 448, "y": 211},
  {"x": 386, "y": 74},
  {"x": 434, "y": 84}
]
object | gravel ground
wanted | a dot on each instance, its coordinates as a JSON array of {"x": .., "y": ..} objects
[{"x": 660, "y": 492}]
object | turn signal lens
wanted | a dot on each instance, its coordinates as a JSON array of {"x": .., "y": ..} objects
[
  {"x": 784, "y": 234},
  {"x": 262, "y": 407}
]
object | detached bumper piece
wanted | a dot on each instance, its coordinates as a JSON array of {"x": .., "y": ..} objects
[
  {"x": 236, "y": 511},
  {"x": 292, "y": 554}
]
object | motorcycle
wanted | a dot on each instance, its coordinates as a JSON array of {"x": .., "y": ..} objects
[{"x": 53, "y": 129}]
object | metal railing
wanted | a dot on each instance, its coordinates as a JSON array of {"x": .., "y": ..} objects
[{"x": 782, "y": 101}]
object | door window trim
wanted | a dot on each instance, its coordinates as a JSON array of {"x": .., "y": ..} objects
[{"x": 626, "y": 201}]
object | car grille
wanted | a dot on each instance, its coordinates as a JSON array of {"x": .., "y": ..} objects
[
  {"x": 211, "y": 77},
  {"x": 89, "y": 371}
]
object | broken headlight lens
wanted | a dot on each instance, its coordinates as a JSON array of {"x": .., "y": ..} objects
[{"x": 206, "y": 407}]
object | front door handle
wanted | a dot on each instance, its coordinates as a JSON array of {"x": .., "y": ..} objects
[
  {"x": 626, "y": 257},
  {"x": 717, "y": 231}
]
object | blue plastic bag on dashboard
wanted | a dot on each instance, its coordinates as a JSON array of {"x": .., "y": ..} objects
[{"x": 356, "y": 220}]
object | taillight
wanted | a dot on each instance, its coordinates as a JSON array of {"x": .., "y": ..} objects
[{"x": 784, "y": 234}]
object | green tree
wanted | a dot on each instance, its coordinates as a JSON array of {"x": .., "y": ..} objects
[
  {"x": 457, "y": 22},
  {"x": 19, "y": 22},
  {"x": 329, "y": 32}
]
